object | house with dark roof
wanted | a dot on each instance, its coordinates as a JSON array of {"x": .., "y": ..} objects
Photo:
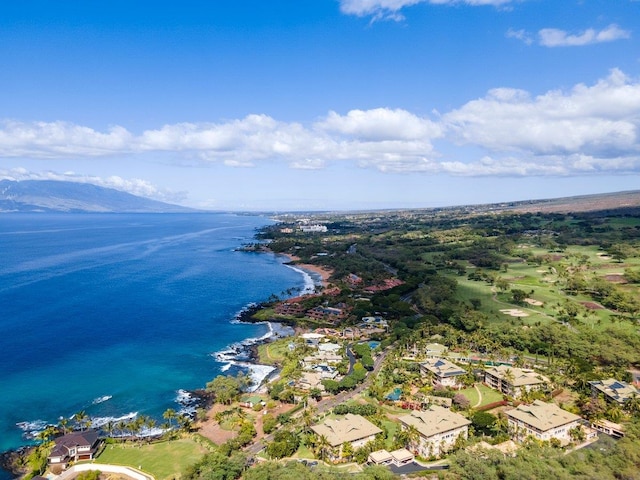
[{"x": 73, "y": 447}]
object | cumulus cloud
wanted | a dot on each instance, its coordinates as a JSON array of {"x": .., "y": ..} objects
[
  {"x": 586, "y": 129},
  {"x": 601, "y": 119},
  {"x": 390, "y": 9},
  {"x": 552, "y": 37},
  {"x": 380, "y": 124},
  {"x": 59, "y": 138}
]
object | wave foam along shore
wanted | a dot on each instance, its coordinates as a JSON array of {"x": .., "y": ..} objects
[
  {"x": 241, "y": 355},
  {"x": 309, "y": 283}
]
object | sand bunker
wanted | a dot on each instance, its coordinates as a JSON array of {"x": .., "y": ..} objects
[
  {"x": 514, "y": 312},
  {"x": 531, "y": 301}
]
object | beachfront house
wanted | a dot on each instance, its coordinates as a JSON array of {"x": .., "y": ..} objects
[
  {"x": 437, "y": 430},
  {"x": 354, "y": 429},
  {"x": 542, "y": 421},
  {"x": 73, "y": 447},
  {"x": 442, "y": 372},
  {"x": 514, "y": 381}
]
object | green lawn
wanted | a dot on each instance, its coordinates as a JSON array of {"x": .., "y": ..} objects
[
  {"x": 488, "y": 395},
  {"x": 162, "y": 460},
  {"x": 270, "y": 353}
]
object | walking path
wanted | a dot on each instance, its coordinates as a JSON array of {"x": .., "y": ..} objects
[{"x": 479, "y": 396}]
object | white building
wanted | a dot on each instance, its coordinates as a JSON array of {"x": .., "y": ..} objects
[
  {"x": 438, "y": 429},
  {"x": 351, "y": 428},
  {"x": 542, "y": 421}
]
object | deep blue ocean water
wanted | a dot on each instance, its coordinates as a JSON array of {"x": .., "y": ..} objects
[{"x": 115, "y": 313}]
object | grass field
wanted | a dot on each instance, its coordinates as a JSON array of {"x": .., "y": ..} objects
[
  {"x": 488, "y": 395},
  {"x": 162, "y": 460},
  {"x": 274, "y": 352},
  {"x": 544, "y": 283}
]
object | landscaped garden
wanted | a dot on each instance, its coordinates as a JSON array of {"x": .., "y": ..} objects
[{"x": 163, "y": 460}]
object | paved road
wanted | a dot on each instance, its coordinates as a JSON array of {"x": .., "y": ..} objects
[{"x": 329, "y": 403}]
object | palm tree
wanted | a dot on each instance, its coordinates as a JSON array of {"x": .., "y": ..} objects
[
  {"x": 45, "y": 435},
  {"x": 109, "y": 428},
  {"x": 169, "y": 415},
  {"x": 63, "y": 424},
  {"x": 186, "y": 423},
  {"x": 322, "y": 446},
  {"x": 80, "y": 419},
  {"x": 307, "y": 417},
  {"x": 121, "y": 426},
  {"x": 633, "y": 404},
  {"x": 614, "y": 413},
  {"x": 413, "y": 436},
  {"x": 501, "y": 424},
  {"x": 508, "y": 378}
]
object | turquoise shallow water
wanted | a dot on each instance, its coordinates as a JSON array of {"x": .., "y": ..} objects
[{"x": 115, "y": 314}]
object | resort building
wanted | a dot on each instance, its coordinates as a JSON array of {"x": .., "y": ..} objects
[
  {"x": 350, "y": 428},
  {"x": 289, "y": 308},
  {"x": 442, "y": 372},
  {"x": 542, "y": 421},
  {"x": 438, "y": 429},
  {"x": 328, "y": 314},
  {"x": 73, "y": 447},
  {"x": 614, "y": 390},
  {"x": 514, "y": 381},
  {"x": 313, "y": 228}
]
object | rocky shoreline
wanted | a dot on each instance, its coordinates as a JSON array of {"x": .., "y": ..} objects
[{"x": 11, "y": 461}]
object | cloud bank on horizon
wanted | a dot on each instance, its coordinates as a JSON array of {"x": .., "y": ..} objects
[{"x": 587, "y": 129}]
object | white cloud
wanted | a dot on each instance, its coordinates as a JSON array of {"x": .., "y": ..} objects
[
  {"x": 587, "y": 129},
  {"x": 389, "y": 9},
  {"x": 601, "y": 120},
  {"x": 552, "y": 37},
  {"x": 380, "y": 124},
  {"x": 521, "y": 35},
  {"x": 59, "y": 138}
]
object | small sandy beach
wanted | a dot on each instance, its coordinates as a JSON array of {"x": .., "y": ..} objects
[{"x": 324, "y": 273}]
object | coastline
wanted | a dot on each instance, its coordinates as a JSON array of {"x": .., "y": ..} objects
[{"x": 322, "y": 272}]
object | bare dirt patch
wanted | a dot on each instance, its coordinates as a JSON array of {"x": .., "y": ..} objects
[
  {"x": 592, "y": 305},
  {"x": 615, "y": 278}
]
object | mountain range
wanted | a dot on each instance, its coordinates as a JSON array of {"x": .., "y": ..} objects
[{"x": 60, "y": 196}]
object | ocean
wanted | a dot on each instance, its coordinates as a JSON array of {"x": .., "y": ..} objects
[{"x": 121, "y": 314}]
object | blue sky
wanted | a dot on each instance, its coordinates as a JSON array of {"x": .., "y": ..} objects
[{"x": 323, "y": 104}]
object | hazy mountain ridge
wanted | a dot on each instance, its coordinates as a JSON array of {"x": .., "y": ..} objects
[{"x": 59, "y": 196}]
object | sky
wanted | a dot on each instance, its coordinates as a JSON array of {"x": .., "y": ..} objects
[{"x": 323, "y": 104}]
